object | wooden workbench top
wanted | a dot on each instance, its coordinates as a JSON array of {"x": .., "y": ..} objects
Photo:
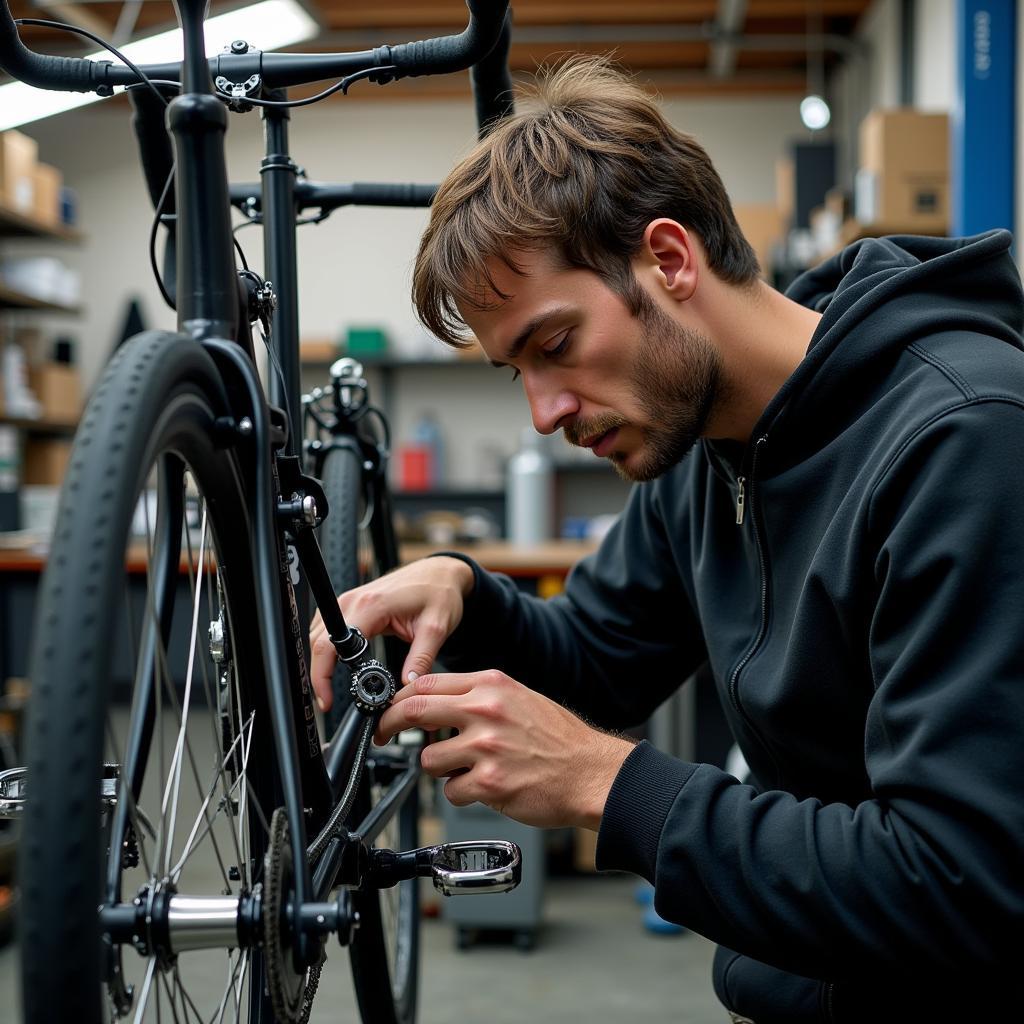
[{"x": 555, "y": 557}]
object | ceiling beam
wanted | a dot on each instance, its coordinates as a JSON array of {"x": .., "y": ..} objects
[
  {"x": 576, "y": 35},
  {"x": 74, "y": 14},
  {"x": 730, "y": 18}
]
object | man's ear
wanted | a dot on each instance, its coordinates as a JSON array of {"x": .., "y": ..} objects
[{"x": 670, "y": 249}]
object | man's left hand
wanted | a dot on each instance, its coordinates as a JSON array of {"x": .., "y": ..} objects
[{"x": 516, "y": 751}]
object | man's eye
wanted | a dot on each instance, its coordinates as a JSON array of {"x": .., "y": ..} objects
[{"x": 559, "y": 349}]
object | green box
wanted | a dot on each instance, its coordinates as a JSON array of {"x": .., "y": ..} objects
[{"x": 366, "y": 341}]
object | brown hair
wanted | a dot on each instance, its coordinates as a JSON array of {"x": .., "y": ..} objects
[{"x": 583, "y": 172}]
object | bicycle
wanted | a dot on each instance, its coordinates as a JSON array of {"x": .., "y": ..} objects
[{"x": 180, "y": 441}]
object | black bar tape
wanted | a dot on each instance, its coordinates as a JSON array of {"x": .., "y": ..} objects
[
  {"x": 392, "y": 195},
  {"x": 453, "y": 53},
  {"x": 64, "y": 74},
  {"x": 492, "y": 82}
]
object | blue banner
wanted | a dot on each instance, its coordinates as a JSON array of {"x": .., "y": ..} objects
[{"x": 984, "y": 121}]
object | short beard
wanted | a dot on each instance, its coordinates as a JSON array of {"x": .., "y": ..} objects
[{"x": 677, "y": 380}]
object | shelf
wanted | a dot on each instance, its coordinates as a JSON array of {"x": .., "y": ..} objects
[
  {"x": 17, "y": 225},
  {"x": 11, "y": 299},
  {"x": 39, "y": 426},
  {"x": 323, "y": 353},
  {"x": 556, "y": 557}
]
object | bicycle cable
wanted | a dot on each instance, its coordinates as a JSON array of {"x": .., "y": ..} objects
[
  {"x": 75, "y": 30},
  {"x": 342, "y": 85},
  {"x": 152, "y": 241},
  {"x": 265, "y": 333}
]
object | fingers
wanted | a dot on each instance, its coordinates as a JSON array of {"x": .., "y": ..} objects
[
  {"x": 448, "y": 683},
  {"x": 419, "y": 711},
  {"x": 323, "y": 658},
  {"x": 429, "y": 635},
  {"x": 449, "y": 757}
]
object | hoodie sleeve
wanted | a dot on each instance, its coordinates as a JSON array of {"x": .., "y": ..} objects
[
  {"x": 620, "y": 638},
  {"x": 925, "y": 875}
]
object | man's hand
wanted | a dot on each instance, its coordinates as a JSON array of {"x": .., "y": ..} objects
[
  {"x": 421, "y": 602},
  {"x": 516, "y": 751}
]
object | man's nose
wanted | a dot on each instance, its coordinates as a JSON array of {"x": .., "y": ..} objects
[{"x": 549, "y": 406}]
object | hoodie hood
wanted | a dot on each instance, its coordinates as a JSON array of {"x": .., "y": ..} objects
[{"x": 878, "y": 296}]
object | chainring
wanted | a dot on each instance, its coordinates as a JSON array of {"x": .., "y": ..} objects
[{"x": 291, "y": 993}]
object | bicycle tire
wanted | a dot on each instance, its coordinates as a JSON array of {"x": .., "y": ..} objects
[
  {"x": 384, "y": 951},
  {"x": 156, "y": 405}
]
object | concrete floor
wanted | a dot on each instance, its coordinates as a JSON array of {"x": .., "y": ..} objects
[{"x": 594, "y": 962}]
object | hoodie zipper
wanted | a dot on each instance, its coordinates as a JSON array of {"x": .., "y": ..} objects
[{"x": 741, "y": 500}]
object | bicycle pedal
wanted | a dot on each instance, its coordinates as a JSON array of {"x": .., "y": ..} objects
[
  {"x": 457, "y": 869},
  {"x": 490, "y": 865}
]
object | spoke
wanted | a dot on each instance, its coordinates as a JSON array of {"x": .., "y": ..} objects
[
  {"x": 192, "y": 841},
  {"x": 186, "y": 703},
  {"x": 215, "y": 728},
  {"x": 170, "y": 997},
  {"x": 173, "y": 700},
  {"x": 230, "y": 988},
  {"x": 144, "y": 995},
  {"x": 249, "y": 794},
  {"x": 196, "y": 591},
  {"x": 186, "y": 999},
  {"x": 240, "y": 985}
]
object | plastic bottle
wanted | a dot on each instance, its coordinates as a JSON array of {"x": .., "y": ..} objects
[
  {"x": 529, "y": 495},
  {"x": 427, "y": 434}
]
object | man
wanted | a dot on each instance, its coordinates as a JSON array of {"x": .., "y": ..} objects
[{"x": 829, "y": 511}]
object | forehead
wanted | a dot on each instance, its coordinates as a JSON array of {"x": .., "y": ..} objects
[{"x": 539, "y": 281}]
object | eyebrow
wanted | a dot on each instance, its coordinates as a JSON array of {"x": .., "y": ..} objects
[{"x": 529, "y": 330}]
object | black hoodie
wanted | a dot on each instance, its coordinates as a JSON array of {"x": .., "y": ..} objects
[{"x": 864, "y": 624}]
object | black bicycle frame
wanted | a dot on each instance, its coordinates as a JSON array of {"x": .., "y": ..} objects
[{"x": 212, "y": 308}]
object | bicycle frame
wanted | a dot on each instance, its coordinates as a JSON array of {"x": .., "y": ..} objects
[
  {"x": 208, "y": 309},
  {"x": 215, "y": 308}
]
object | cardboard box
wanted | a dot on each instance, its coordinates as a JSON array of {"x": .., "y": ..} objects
[
  {"x": 48, "y": 183},
  {"x": 762, "y": 226},
  {"x": 46, "y": 461},
  {"x": 903, "y": 179},
  {"x": 18, "y": 154},
  {"x": 59, "y": 391}
]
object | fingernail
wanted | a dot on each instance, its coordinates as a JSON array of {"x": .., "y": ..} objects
[
  {"x": 320, "y": 704},
  {"x": 412, "y": 676}
]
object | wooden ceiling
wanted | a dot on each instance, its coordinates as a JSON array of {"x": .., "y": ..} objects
[{"x": 706, "y": 47}]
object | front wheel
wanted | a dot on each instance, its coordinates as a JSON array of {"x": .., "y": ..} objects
[{"x": 151, "y": 765}]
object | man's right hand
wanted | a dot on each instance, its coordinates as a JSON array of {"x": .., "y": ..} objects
[{"x": 422, "y": 603}]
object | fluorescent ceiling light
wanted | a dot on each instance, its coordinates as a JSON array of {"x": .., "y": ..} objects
[{"x": 268, "y": 25}]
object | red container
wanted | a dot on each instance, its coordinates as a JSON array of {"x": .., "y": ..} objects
[{"x": 415, "y": 468}]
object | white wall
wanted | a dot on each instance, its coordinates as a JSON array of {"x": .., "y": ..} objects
[
  {"x": 935, "y": 55},
  {"x": 355, "y": 268}
]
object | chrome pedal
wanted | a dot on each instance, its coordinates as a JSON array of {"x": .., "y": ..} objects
[
  {"x": 14, "y": 792},
  {"x": 489, "y": 865},
  {"x": 457, "y": 869}
]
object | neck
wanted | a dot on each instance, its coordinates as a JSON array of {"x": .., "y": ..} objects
[{"x": 762, "y": 337}]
